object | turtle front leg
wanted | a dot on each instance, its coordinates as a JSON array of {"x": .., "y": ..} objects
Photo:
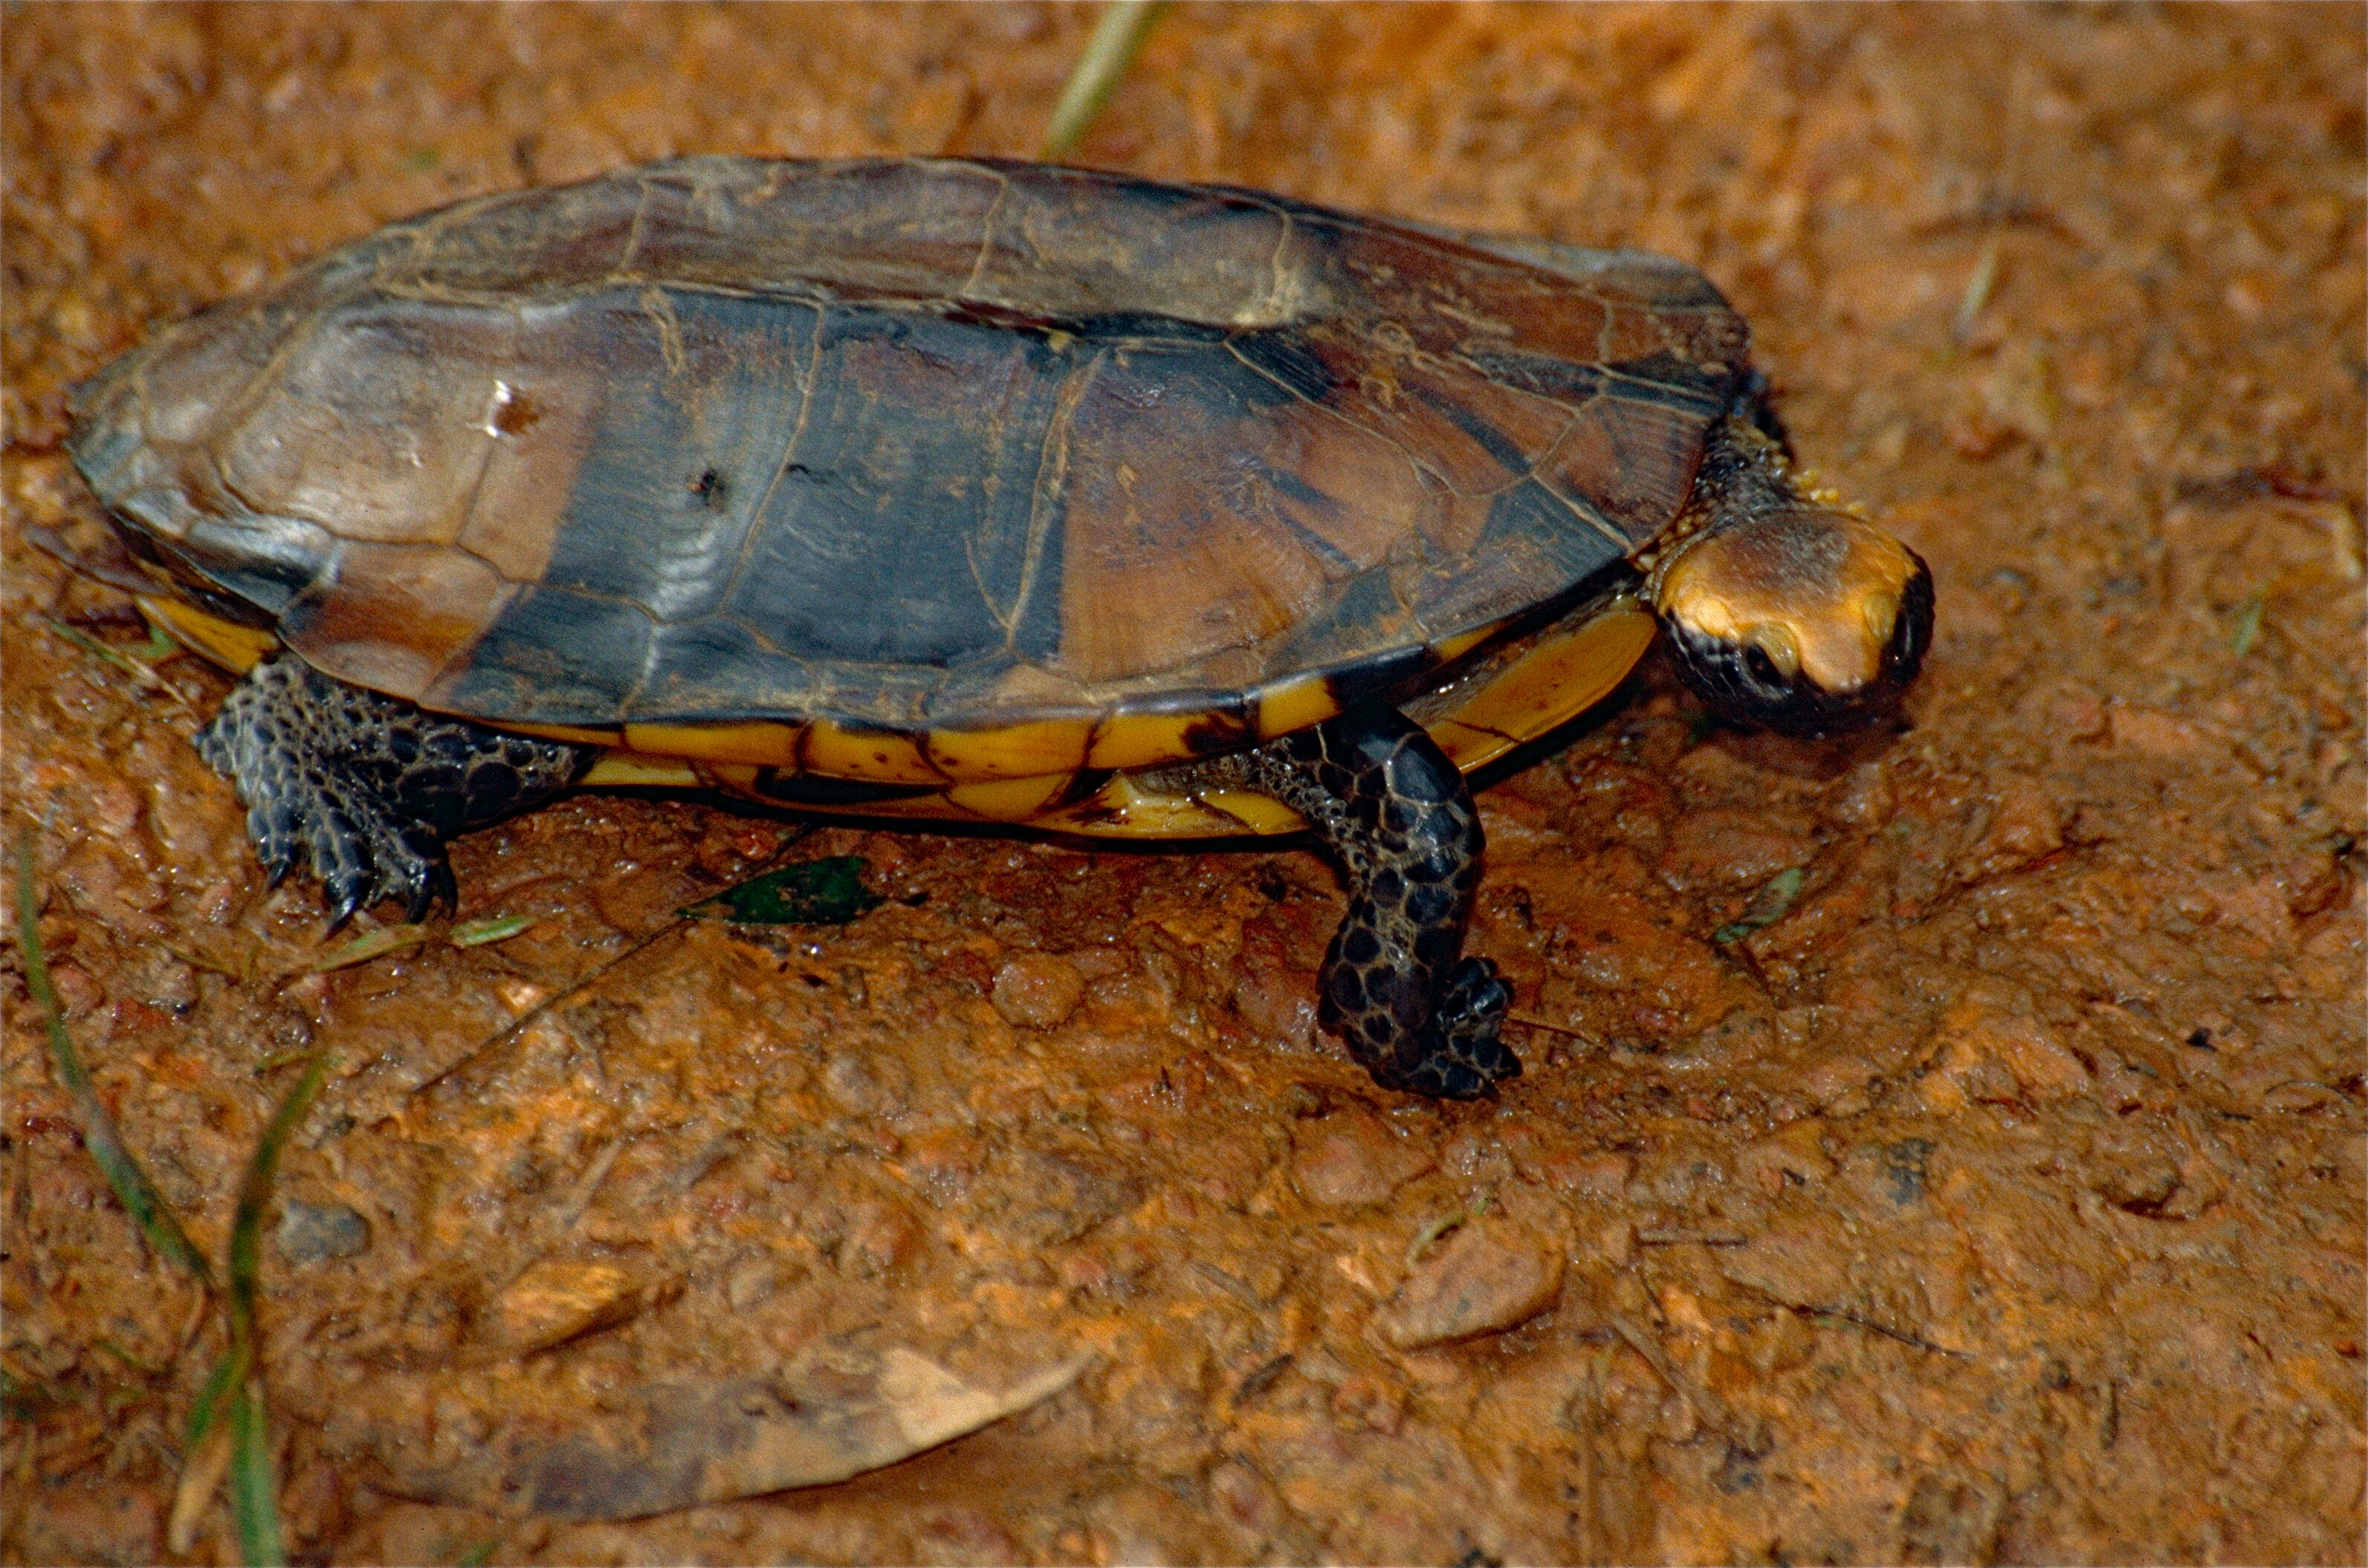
[
  {"x": 1379, "y": 792},
  {"x": 369, "y": 787}
]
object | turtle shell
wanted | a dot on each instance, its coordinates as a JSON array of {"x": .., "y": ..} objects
[{"x": 915, "y": 468}]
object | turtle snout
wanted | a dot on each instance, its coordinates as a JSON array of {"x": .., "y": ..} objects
[{"x": 1807, "y": 620}]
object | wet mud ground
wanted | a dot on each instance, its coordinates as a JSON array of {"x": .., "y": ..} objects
[{"x": 1941, "y": 1145}]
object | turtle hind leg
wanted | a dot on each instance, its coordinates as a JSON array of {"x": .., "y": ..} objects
[
  {"x": 1394, "y": 809},
  {"x": 367, "y": 787}
]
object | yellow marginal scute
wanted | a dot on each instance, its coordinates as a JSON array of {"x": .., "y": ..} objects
[
  {"x": 1141, "y": 739},
  {"x": 881, "y": 756},
  {"x": 575, "y": 735},
  {"x": 1013, "y": 751},
  {"x": 1446, "y": 650},
  {"x": 1565, "y": 672},
  {"x": 766, "y": 745},
  {"x": 629, "y": 769},
  {"x": 1007, "y": 800},
  {"x": 1298, "y": 705},
  {"x": 227, "y": 643}
]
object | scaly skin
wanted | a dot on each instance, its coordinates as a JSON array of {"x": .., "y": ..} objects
[
  {"x": 1387, "y": 801},
  {"x": 368, "y": 787}
]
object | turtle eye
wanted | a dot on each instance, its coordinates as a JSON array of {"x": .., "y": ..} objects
[{"x": 1763, "y": 668}]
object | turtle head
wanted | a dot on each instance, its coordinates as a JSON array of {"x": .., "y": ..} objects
[{"x": 1801, "y": 617}]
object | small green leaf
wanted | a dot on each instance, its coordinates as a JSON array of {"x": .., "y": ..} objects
[
  {"x": 2248, "y": 630},
  {"x": 1442, "y": 1225},
  {"x": 499, "y": 928},
  {"x": 1767, "y": 907},
  {"x": 367, "y": 946},
  {"x": 23, "y": 1400},
  {"x": 1978, "y": 288},
  {"x": 812, "y": 892}
]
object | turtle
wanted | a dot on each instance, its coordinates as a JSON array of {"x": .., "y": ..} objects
[{"x": 987, "y": 491}]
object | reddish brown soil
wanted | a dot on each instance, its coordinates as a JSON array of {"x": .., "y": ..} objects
[{"x": 2000, "y": 1199}]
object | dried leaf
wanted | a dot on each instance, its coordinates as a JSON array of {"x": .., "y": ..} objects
[{"x": 678, "y": 1443}]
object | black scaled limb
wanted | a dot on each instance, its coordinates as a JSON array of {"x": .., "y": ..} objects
[
  {"x": 366, "y": 787},
  {"x": 1379, "y": 792}
]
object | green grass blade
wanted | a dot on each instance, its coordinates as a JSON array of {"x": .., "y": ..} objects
[
  {"x": 255, "y": 1196},
  {"x": 253, "y": 1490},
  {"x": 204, "y": 1462},
  {"x": 132, "y": 1189},
  {"x": 1118, "y": 38},
  {"x": 254, "y": 1497},
  {"x": 229, "y": 1373},
  {"x": 97, "y": 649}
]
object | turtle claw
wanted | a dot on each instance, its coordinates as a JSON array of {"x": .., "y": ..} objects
[
  {"x": 275, "y": 842},
  {"x": 363, "y": 851},
  {"x": 1468, "y": 1058},
  {"x": 343, "y": 838},
  {"x": 426, "y": 880},
  {"x": 364, "y": 788},
  {"x": 412, "y": 867},
  {"x": 344, "y": 898},
  {"x": 1456, "y": 1055}
]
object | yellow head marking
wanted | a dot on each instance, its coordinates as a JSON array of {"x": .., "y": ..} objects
[{"x": 1815, "y": 590}]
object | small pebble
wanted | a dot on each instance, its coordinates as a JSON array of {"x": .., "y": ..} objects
[
  {"x": 1598, "y": 1178},
  {"x": 555, "y": 1300},
  {"x": 2156, "y": 734},
  {"x": 1037, "y": 990},
  {"x": 750, "y": 1284},
  {"x": 1351, "y": 1159},
  {"x": 310, "y": 1232},
  {"x": 1487, "y": 1277},
  {"x": 1990, "y": 1048},
  {"x": 2026, "y": 826}
]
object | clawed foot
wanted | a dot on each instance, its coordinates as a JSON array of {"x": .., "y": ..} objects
[
  {"x": 366, "y": 788},
  {"x": 1458, "y": 1056},
  {"x": 303, "y": 806}
]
